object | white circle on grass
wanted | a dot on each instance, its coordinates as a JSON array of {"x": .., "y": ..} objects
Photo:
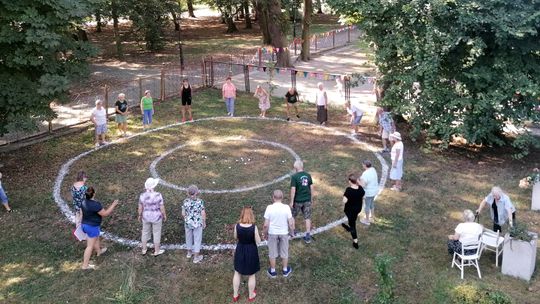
[
  {"x": 155, "y": 174},
  {"x": 64, "y": 170}
]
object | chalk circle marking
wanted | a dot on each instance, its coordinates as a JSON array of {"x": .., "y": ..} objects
[
  {"x": 64, "y": 170},
  {"x": 155, "y": 174}
]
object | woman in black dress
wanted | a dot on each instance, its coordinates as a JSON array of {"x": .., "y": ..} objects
[
  {"x": 246, "y": 256},
  {"x": 186, "y": 100},
  {"x": 352, "y": 198}
]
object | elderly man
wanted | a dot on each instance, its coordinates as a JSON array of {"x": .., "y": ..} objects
[
  {"x": 301, "y": 196},
  {"x": 501, "y": 208}
]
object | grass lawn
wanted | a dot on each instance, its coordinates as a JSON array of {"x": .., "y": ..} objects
[{"x": 40, "y": 261}]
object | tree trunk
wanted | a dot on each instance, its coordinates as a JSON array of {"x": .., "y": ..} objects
[
  {"x": 319, "y": 7},
  {"x": 277, "y": 33},
  {"x": 175, "y": 21},
  {"x": 262, "y": 15},
  {"x": 190, "y": 8},
  {"x": 116, "y": 29},
  {"x": 305, "y": 54},
  {"x": 98, "y": 21},
  {"x": 246, "y": 15},
  {"x": 231, "y": 27}
]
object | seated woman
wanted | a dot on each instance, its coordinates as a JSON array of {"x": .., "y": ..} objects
[{"x": 466, "y": 231}]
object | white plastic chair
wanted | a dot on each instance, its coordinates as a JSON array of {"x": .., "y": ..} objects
[
  {"x": 492, "y": 241},
  {"x": 461, "y": 260}
]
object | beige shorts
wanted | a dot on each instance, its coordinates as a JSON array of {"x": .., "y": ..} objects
[
  {"x": 278, "y": 246},
  {"x": 385, "y": 134}
]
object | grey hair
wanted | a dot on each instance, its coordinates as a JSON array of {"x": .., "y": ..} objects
[
  {"x": 496, "y": 191},
  {"x": 192, "y": 190},
  {"x": 320, "y": 84},
  {"x": 277, "y": 195},
  {"x": 121, "y": 95},
  {"x": 468, "y": 215},
  {"x": 298, "y": 165}
]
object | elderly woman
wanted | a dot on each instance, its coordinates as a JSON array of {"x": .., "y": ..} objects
[
  {"x": 264, "y": 100},
  {"x": 194, "y": 222},
  {"x": 468, "y": 231},
  {"x": 501, "y": 208},
  {"x": 246, "y": 255},
  {"x": 78, "y": 192},
  {"x": 321, "y": 99},
  {"x": 151, "y": 214},
  {"x": 228, "y": 92},
  {"x": 396, "y": 154},
  {"x": 92, "y": 215}
]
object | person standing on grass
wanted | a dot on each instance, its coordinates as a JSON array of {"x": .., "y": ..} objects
[
  {"x": 152, "y": 215},
  {"x": 278, "y": 227},
  {"x": 186, "y": 100},
  {"x": 194, "y": 215},
  {"x": 99, "y": 118},
  {"x": 301, "y": 196},
  {"x": 352, "y": 198},
  {"x": 321, "y": 99},
  {"x": 147, "y": 109},
  {"x": 386, "y": 127},
  {"x": 246, "y": 254},
  {"x": 370, "y": 182},
  {"x": 356, "y": 116},
  {"x": 121, "y": 108},
  {"x": 501, "y": 208},
  {"x": 229, "y": 95},
  {"x": 264, "y": 100},
  {"x": 396, "y": 154},
  {"x": 291, "y": 98},
  {"x": 3, "y": 197},
  {"x": 78, "y": 193},
  {"x": 92, "y": 215}
]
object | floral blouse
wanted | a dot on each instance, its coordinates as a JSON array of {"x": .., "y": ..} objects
[
  {"x": 78, "y": 196},
  {"x": 193, "y": 209}
]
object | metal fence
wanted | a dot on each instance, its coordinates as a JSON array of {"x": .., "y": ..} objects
[{"x": 246, "y": 74}]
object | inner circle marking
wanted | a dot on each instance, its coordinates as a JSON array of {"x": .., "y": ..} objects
[
  {"x": 66, "y": 210},
  {"x": 155, "y": 174}
]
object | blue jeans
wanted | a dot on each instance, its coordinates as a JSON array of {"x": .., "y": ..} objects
[
  {"x": 229, "y": 103},
  {"x": 147, "y": 117},
  {"x": 3, "y": 196}
]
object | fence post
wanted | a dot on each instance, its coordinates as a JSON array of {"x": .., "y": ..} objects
[
  {"x": 295, "y": 43},
  {"x": 162, "y": 85},
  {"x": 203, "y": 72},
  {"x": 347, "y": 82},
  {"x": 333, "y": 39},
  {"x": 259, "y": 53},
  {"x": 315, "y": 43},
  {"x": 211, "y": 71},
  {"x": 349, "y": 34},
  {"x": 246, "y": 78},
  {"x": 140, "y": 89},
  {"x": 230, "y": 65},
  {"x": 50, "y": 126},
  {"x": 106, "y": 101}
]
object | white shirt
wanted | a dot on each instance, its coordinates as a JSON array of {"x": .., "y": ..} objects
[
  {"x": 371, "y": 181},
  {"x": 469, "y": 232},
  {"x": 355, "y": 109},
  {"x": 321, "y": 101},
  {"x": 395, "y": 147},
  {"x": 100, "y": 116},
  {"x": 278, "y": 214}
]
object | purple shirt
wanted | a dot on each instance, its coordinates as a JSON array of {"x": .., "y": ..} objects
[{"x": 151, "y": 203}]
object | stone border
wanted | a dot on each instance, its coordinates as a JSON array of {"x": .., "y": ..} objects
[
  {"x": 66, "y": 211},
  {"x": 154, "y": 173}
]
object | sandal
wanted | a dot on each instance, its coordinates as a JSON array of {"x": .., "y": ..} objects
[
  {"x": 235, "y": 299},
  {"x": 254, "y": 296}
]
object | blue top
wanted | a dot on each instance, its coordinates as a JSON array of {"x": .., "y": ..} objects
[{"x": 90, "y": 210}]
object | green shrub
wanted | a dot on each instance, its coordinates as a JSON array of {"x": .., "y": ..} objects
[{"x": 473, "y": 294}]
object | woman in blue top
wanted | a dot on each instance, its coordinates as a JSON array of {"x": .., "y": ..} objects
[{"x": 92, "y": 214}]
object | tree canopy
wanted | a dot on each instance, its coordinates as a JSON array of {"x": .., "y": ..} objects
[
  {"x": 455, "y": 67},
  {"x": 41, "y": 53}
]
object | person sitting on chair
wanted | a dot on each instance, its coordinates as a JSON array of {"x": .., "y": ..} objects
[{"x": 468, "y": 231}]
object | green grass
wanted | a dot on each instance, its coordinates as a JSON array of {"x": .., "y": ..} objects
[{"x": 40, "y": 261}]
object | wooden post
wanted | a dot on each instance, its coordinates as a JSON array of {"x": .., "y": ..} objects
[
  {"x": 162, "y": 85},
  {"x": 211, "y": 71},
  {"x": 140, "y": 89},
  {"x": 315, "y": 43},
  {"x": 333, "y": 39},
  {"x": 106, "y": 101},
  {"x": 349, "y": 34},
  {"x": 295, "y": 46},
  {"x": 260, "y": 57},
  {"x": 347, "y": 84},
  {"x": 203, "y": 72},
  {"x": 246, "y": 78},
  {"x": 50, "y": 126}
]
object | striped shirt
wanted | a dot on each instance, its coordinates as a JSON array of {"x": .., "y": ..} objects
[{"x": 151, "y": 203}]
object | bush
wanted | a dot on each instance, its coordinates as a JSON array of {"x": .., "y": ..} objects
[
  {"x": 473, "y": 294},
  {"x": 385, "y": 295}
]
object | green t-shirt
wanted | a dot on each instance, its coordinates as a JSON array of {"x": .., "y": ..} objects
[
  {"x": 302, "y": 182},
  {"x": 148, "y": 103}
]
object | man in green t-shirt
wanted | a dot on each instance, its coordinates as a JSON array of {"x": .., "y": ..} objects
[{"x": 301, "y": 196}]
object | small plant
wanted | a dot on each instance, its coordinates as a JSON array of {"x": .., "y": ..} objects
[
  {"x": 531, "y": 179},
  {"x": 385, "y": 295},
  {"x": 473, "y": 294},
  {"x": 520, "y": 232}
]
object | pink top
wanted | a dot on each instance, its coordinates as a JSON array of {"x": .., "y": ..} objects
[
  {"x": 151, "y": 203},
  {"x": 229, "y": 90}
]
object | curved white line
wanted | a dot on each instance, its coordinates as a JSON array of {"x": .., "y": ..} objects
[{"x": 64, "y": 208}]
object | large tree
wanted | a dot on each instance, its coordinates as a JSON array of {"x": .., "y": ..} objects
[
  {"x": 305, "y": 54},
  {"x": 274, "y": 27},
  {"x": 454, "y": 67},
  {"x": 41, "y": 53}
]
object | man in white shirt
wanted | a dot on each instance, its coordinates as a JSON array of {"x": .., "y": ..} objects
[
  {"x": 370, "y": 182},
  {"x": 278, "y": 226},
  {"x": 99, "y": 118}
]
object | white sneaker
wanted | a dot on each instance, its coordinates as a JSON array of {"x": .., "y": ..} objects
[
  {"x": 189, "y": 255},
  {"x": 198, "y": 259},
  {"x": 365, "y": 222}
]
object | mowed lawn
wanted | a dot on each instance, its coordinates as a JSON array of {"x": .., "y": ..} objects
[{"x": 40, "y": 260}]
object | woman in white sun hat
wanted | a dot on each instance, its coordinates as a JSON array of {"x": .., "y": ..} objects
[
  {"x": 151, "y": 214},
  {"x": 396, "y": 154}
]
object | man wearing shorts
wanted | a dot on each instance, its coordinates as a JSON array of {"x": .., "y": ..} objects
[
  {"x": 292, "y": 98},
  {"x": 301, "y": 196},
  {"x": 99, "y": 118},
  {"x": 278, "y": 226}
]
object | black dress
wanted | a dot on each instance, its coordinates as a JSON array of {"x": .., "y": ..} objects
[{"x": 246, "y": 256}]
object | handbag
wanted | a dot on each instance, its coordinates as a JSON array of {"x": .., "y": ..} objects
[{"x": 79, "y": 234}]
